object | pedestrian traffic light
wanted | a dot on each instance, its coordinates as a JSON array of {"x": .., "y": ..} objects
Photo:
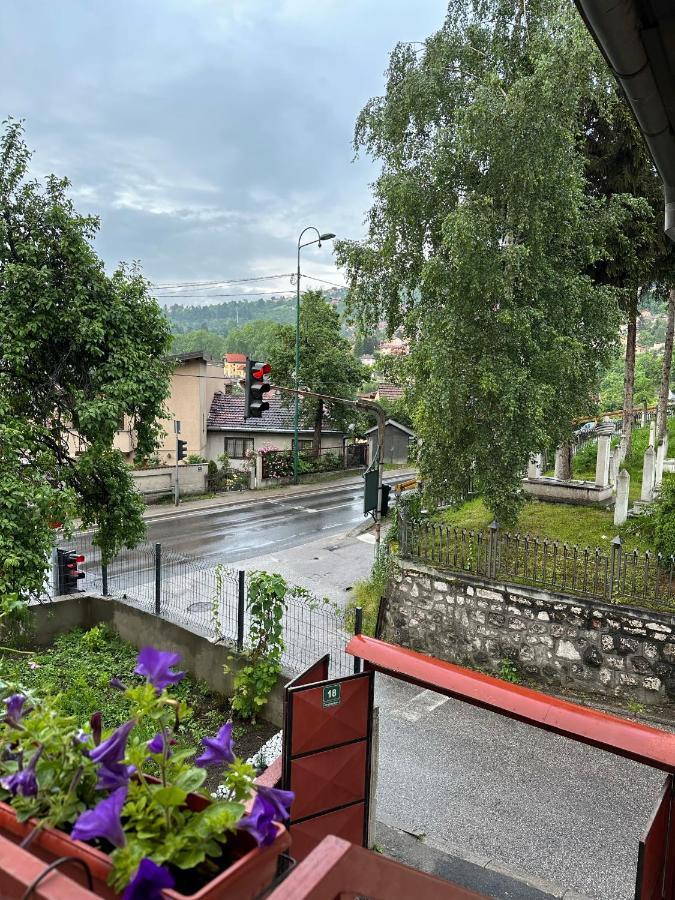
[
  {"x": 181, "y": 449},
  {"x": 384, "y": 504},
  {"x": 255, "y": 388},
  {"x": 68, "y": 573}
]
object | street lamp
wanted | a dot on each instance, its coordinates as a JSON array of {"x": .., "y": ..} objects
[{"x": 327, "y": 236}]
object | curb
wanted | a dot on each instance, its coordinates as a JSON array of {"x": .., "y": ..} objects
[{"x": 492, "y": 865}]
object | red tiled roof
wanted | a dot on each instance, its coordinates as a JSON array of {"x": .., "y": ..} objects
[
  {"x": 389, "y": 391},
  {"x": 227, "y": 414},
  {"x": 235, "y": 357}
]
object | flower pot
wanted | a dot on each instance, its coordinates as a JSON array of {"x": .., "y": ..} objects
[{"x": 253, "y": 870}]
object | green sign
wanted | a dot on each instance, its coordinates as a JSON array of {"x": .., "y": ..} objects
[
  {"x": 370, "y": 493},
  {"x": 331, "y": 694}
]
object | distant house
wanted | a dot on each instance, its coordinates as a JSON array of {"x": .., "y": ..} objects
[
  {"x": 229, "y": 432},
  {"x": 397, "y": 441},
  {"x": 395, "y": 347},
  {"x": 234, "y": 365},
  {"x": 385, "y": 392}
]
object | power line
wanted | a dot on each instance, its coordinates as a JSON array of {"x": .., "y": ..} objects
[
  {"x": 208, "y": 296},
  {"x": 323, "y": 280},
  {"x": 178, "y": 284}
]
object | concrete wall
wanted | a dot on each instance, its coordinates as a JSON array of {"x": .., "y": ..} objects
[
  {"x": 551, "y": 639},
  {"x": 193, "y": 384},
  {"x": 191, "y": 479},
  {"x": 199, "y": 657}
]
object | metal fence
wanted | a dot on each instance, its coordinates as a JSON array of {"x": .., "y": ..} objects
[
  {"x": 210, "y": 600},
  {"x": 613, "y": 575},
  {"x": 279, "y": 463}
]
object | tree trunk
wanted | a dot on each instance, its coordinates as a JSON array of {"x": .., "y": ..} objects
[
  {"x": 629, "y": 380},
  {"x": 662, "y": 410},
  {"x": 316, "y": 437},
  {"x": 563, "y": 462}
]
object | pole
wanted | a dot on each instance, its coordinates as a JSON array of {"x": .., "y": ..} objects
[
  {"x": 358, "y": 629},
  {"x": 158, "y": 579},
  {"x": 241, "y": 600},
  {"x": 296, "y": 412},
  {"x": 176, "y": 489}
]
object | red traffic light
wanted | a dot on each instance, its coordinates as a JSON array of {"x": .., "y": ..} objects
[
  {"x": 79, "y": 559},
  {"x": 260, "y": 370}
]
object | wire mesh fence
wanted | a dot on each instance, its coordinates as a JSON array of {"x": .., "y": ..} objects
[
  {"x": 210, "y": 600},
  {"x": 613, "y": 575}
]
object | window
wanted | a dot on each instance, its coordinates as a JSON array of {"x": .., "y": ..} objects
[
  {"x": 304, "y": 444},
  {"x": 236, "y": 448}
]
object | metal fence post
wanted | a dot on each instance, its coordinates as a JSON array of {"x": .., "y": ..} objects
[
  {"x": 358, "y": 629},
  {"x": 241, "y": 602},
  {"x": 615, "y": 564},
  {"x": 158, "y": 579},
  {"x": 492, "y": 550},
  {"x": 104, "y": 580}
]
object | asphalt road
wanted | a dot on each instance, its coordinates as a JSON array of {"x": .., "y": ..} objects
[{"x": 235, "y": 533}]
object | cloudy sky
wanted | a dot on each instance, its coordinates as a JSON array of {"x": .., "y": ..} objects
[{"x": 205, "y": 133}]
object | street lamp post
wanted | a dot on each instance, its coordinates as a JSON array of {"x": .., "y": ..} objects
[{"x": 296, "y": 413}]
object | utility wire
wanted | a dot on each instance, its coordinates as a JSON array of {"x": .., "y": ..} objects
[
  {"x": 208, "y": 296},
  {"x": 323, "y": 280},
  {"x": 177, "y": 284}
]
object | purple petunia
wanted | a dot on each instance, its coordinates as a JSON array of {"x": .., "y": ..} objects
[
  {"x": 155, "y": 665},
  {"x": 260, "y": 821},
  {"x": 158, "y": 744},
  {"x": 103, "y": 821},
  {"x": 117, "y": 684},
  {"x": 280, "y": 800},
  {"x": 96, "y": 724},
  {"x": 219, "y": 750},
  {"x": 112, "y": 750},
  {"x": 24, "y": 781},
  {"x": 148, "y": 882},
  {"x": 14, "y": 706},
  {"x": 113, "y": 775}
]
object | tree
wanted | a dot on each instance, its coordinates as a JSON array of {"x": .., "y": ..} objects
[
  {"x": 480, "y": 239},
  {"x": 211, "y": 344},
  {"x": 664, "y": 390},
  {"x": 255, "y": 339},
  {"x": 80, "y": 350},
  {"x": 327, "y": 365}
]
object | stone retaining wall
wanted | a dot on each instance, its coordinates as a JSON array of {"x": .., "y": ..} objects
[{"x": 551, "y": 639}]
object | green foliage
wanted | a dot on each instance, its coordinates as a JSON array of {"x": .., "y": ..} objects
[
  {"x": 327, "y": 365},
  {"x": 80, "y": 351},
  {"x": 256, "y": 339},
  {"x": 476, "y": 251},
  {"x": 663, "y": 518},
  {"x": 193, "y": 459},
  {"x": 211, "y": 344},
  {"x": 367, "y": 594},
  {"x": 75, "y": 674},
  {"x": 508, "y": 671},
  {"x": 647, "y": 382},
  {"x": 253, "y": 683}
]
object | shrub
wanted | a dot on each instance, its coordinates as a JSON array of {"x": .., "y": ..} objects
[{"x": 664, "y": 517}]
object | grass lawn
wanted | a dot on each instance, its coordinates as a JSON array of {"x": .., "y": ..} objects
[{"x": 580, "y": 525}]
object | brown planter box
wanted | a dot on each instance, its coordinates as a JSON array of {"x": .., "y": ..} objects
[{"x": 254, "y": 869}]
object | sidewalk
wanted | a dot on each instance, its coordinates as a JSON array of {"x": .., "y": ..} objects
[{"x": 241, "y": 498}]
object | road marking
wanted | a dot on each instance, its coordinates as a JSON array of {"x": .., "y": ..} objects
[
  {"x": 338, "y": 506},
  {"x": 417, "y": 706},
  {"x": 283, "y": 505}
]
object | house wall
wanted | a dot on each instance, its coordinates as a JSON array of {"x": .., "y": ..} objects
[
  {"x": 550, "y": 640},
  {"x": 216, "y": 442},
  {"x": 193, "y": 384},
  {"x": 395, "y": 445}
]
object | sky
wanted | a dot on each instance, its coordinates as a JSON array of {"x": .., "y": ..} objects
[{"x": 206, "y": 134}]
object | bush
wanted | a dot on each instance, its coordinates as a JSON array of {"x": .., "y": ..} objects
[
  {"x": 664, "y": 517},
  {"x": 194, "y": 459}
]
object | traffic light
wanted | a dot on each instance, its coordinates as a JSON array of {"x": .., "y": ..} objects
[
  {"x": 181, "y": 449},
  {"x": 68, "y": 573},
  {"x": 255, "y": 388},
  {"x": 384, "y": 504}
]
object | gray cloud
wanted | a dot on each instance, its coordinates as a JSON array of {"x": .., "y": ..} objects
[{"x": 205, "y": 133}]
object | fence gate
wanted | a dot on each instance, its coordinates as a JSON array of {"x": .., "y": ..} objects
[
  {"x": 327, "y": 756},
  {"x": 656, "y": 858}
]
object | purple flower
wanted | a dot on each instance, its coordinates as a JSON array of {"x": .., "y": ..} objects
[
  {"x": 103, "y": 821},
  {"x": 260, "y": 821},
  {"x": 81, "y": 736},
  {"x": 112, "y": 750},
  {"x": 24, "y": 781},
  {"x": 116, "y": 683},
  {"x": 113, "y": 775},
  {"x": 280, "y": 800},
  {"x": 14, "y": 706},
  {"x": 219, "y": 751},
  {"x": 158, "y": 743},
  {"x": 148, "y": 882},
  {"x": 156, "y": 666}
]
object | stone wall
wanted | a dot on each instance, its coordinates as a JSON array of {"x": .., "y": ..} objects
[
  {"x": 192, "y": 479},
  {"x": 551, "y": 639}
]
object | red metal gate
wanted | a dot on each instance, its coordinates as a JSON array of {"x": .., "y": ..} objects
[
  {"x": 327, "y": 756},
  {"x": 656, "y": 859}
]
